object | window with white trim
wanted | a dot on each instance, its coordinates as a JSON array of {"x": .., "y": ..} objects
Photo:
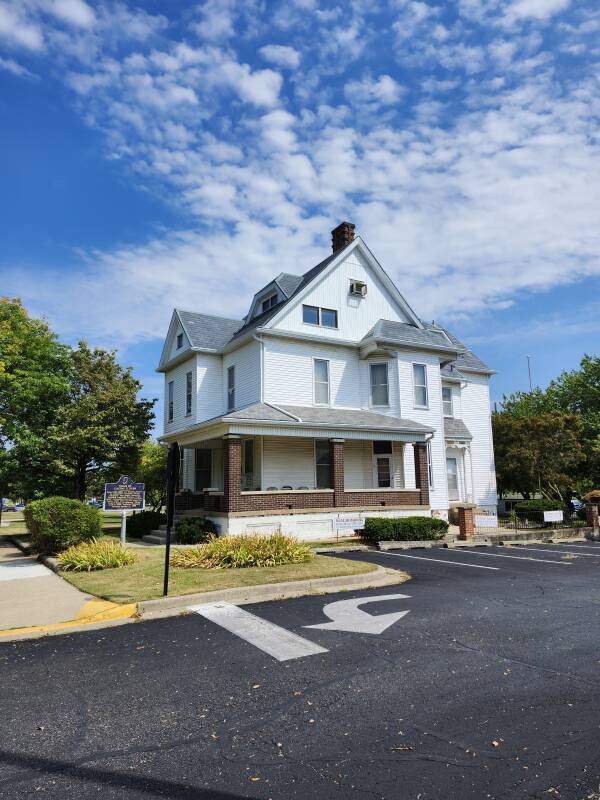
[
  {"x": 322, "y": 464},
  {"x": 380, "y": 395},
  {"x": 179, "y": 341},
  {"x": 382, "y": 464},
  {"x": 447, "y": 401},
  {"x": 430, "y": 465},
  {"x": 321, "y": 381},
  {"x": 231, "y": 387},
  {"x": 325, "y": 317},
  {"x": 420, "y": 385},
  {"x": 188, "y": 393},
  {"x": 170, "y": 400}
]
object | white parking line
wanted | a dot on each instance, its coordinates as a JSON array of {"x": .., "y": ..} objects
[
  {"x": 277, "y": 642},
  {"x": 580, "y": 546},
  {"x": 519, "y": 558},
  {"x": 543, "y": 550},
  {"x": 438, "y": 560}
]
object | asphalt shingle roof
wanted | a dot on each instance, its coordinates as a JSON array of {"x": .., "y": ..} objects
[
  {"x": 336, "y": 417},
  {"x": 456, "y": 429},
  {"x": 207, "y": 331},
  {"x": 408, "y": 334}
]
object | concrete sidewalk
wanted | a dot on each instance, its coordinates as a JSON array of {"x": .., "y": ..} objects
[{"x": 35, "y": 599}]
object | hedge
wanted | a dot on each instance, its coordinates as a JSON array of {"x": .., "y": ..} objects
[
  {"x": 194, "y": 530},
  {"x": 142, "y": 522},
  {"x": 534, "y": 509},
  {"x": 56, "y": 523},
  {"x": 403, "y": 529}
]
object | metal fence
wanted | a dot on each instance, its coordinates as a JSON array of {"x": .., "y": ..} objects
[{"x": 504, "y": 523}]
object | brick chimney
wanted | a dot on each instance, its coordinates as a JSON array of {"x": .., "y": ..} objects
[{"x": 342, "y": 235}]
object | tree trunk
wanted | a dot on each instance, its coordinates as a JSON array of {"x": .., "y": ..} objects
[{"x": 80, "y": 478}]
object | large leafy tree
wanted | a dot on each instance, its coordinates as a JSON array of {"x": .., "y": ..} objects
[
  {"x": 575, "y": 392},
  {"x": 537, "y": 453},
  {"x": 152, "y": 471},
  {"x": 35, "y": 371},
  {"x": 98, "y": 432}
]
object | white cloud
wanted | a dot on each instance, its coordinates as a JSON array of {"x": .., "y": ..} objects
[
  {"x": 382, "y": 91},
  {"x": 9, "y": 65},
  {"x": 260, "y": 88},
  {"x": 75, "y": 12},
  {"x": 534, "y": 9},
  {"x": 280, "y": 55},
  {"x": 17, "y": 30},
  {"x": 217, "y": 20}
]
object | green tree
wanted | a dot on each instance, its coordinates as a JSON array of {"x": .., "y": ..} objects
[
  {"x": 538, "y": 453},
  {"x": 35, "y": 370},
  {"x": 98, "y": 432},
  {"x": 152, "y": 471},
  {"x": 574, "y": 392}
]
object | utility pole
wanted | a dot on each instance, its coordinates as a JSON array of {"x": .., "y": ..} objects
[{"x": 529, "y": 371}]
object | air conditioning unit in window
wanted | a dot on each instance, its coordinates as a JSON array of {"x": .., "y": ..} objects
[{"x": 358, "y": 288}]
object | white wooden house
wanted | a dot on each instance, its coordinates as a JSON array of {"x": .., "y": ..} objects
[{"x": 330, "y": 396}]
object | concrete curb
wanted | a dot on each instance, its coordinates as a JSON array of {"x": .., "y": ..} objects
[
  {"x": 48, "y": 561},
  {"x": 172, "y": 606},
  {"x": 351, "y": 548}
]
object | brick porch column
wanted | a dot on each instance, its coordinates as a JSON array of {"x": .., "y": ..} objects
[
  {"x": 421, "y": 471},
  {"x": 591, "y": 515},
  {"x": 336, "y": 462},
  {"x": 232, "y": 472},
  {"x": 466, "y": 521}
]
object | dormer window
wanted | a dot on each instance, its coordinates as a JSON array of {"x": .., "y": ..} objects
[
  {"x": 179, "y": 341},
  {"x": 269, "y": 302}
]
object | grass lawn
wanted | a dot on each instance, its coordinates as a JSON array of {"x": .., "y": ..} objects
[{"x": 144, "y": 579}]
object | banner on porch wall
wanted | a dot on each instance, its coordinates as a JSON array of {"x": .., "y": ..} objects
[
  {"x": 348, "y": 522},
  {"x": 486, "y": 521}
]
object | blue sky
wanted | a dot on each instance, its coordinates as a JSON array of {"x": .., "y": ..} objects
[{"x": 178, "y": 154}]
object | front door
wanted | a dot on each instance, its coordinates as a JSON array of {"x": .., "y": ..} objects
[{"x": 452, "y": 473}]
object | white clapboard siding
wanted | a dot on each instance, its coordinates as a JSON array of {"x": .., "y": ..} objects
[
  {"x": 289, "y": 376},
  {"x": 288, "y": 462},
  {"x": 431, "y": 416},
  {"x": 175, "y": 351},
  {"x": 178, "y": 376},
  {"x": 356, "y": 316},
  {"x": 247, "y": 375},
  {"x": 476, "y": 415}
]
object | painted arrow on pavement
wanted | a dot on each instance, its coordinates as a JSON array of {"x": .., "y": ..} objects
[{"x": 347, "y": 616}]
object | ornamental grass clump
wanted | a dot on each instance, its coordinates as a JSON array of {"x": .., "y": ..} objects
[
  {"x": 94, "y": 555},
  {"x": 227, "y": 552}
]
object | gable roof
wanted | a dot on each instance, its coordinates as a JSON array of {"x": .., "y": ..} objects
[{"x": 207, "y": 332}]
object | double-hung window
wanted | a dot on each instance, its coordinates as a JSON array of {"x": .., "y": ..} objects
[
  {"x": 170, "y": 400},
  {"x": 322, "y": 464},
  {"x": 420, "y": 385},
  {"x": 231, "y": 387},
  {"x": 188, "y": 393},
  {"x": 447, "y": 401},
  {"x": 179, "y": 341},
  {"x": 382, "y": 463},
  {"x": 380, "y": 395},
  {"x": 321, "y": 379}
]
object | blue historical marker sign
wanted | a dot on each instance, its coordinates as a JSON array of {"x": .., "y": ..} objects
[{"x": 124, "y": 495}]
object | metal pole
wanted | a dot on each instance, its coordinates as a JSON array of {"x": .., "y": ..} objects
[
  {"x": 529, "y": 371},
  {"x": 172, "y": 481},
  {"x": 123, "y": 526}
]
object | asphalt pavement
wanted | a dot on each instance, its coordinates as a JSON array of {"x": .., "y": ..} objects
[{"x": 482, "y": 682}]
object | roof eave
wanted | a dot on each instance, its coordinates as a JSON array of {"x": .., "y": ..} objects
[{"x": 377, "y": 340}]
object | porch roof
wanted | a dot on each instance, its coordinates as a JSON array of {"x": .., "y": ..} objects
[
  {"x": 287, "y": 420},
  {"x": 456, "y": 429}
]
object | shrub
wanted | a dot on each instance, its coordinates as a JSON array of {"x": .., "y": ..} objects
[
  {"x": 194, "y": 530},
  {"x": 226, "y": 552},
  {"x": 534, "y": 509},
  {"x": 56, "y": 523},
  {"x": 96, "y": 554},
  {"x": 403, "y": 529},
  {"x": 143, "y": 522}
]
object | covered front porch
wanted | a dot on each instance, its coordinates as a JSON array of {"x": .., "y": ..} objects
[{"x": 257, "y": 468}]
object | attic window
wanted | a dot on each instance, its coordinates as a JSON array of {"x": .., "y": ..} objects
[
  {"x": 179, "y": 341},
  {"x": 269, "y": 302}
]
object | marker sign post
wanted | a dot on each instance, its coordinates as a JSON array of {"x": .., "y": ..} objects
[{"x": 124, "y": 495}]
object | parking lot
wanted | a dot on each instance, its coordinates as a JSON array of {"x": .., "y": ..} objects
[{"x": 483, "y": 681}]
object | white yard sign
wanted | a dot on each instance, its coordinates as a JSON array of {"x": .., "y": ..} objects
[
  {"x": 553, "y": 516},
  {"x": 486, "y": 521},
  {"x": 352, "y": 522}
]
